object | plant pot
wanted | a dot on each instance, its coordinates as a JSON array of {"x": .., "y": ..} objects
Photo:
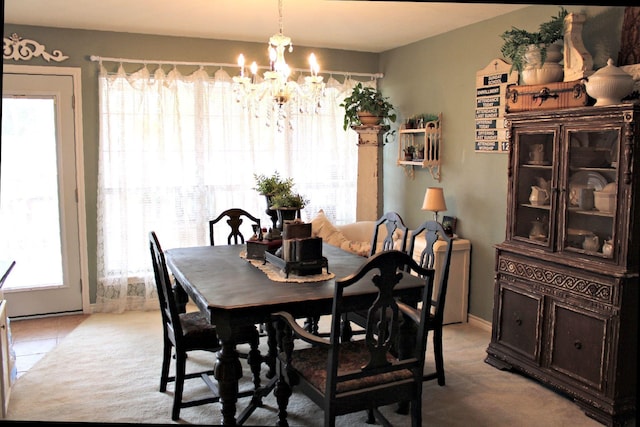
[
  {"x": 537, "y": 73},
  {"x": 286, "y": 214},
  {"x": 368, "y": 119},
  {"x": 272, "y": 213}
]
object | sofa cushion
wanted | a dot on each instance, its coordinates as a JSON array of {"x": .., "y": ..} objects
[
  {"x": 359, "y": 231},
  {"x": 322, "y": 227}
]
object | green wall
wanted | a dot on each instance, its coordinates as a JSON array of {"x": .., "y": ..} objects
[
  {"x": 433, "y": 75},
  {"x": 438, "y": 75}
]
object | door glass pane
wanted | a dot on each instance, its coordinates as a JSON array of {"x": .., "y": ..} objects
[
  {"x": 29, "y": 208},
  {"x": 533, "y": 196},
  {"x": 592, "y": 201}
]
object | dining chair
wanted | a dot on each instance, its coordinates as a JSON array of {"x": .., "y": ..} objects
[
  {"x": 393, "y": 223},
  {"x": 234, "y": 217},
  {"x": 186, "y": 332},
  {"x": 434, "y": 231},
  {"x": 346, "y": 376}
]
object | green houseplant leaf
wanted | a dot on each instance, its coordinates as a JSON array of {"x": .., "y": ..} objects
[
  {"x": 273, "y": 184},
  {"x": 288, "y": 200}
]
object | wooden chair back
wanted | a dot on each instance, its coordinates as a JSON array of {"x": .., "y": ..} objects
[
  {"x": 171, "y": 325},
  {"x": 235, "y": 218},
  {"x": 392, "y": 222},
  {"x": 434, "y": 231}
]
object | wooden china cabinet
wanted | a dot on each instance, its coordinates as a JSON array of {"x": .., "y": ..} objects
[{"x": 566, "y": 285}]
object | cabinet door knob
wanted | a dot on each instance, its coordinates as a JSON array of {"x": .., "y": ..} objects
[
  {"x": 577, "y": 345},
  {"x": 518, "y": 321}
]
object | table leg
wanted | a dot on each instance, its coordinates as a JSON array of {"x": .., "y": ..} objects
[
  {"x": 283, "y": 390},
  {"x": 270, "y": 358},
  {"x": 227, "y": 372}
]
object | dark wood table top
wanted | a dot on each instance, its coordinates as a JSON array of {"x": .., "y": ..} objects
[{"x": 229, "y": 287}]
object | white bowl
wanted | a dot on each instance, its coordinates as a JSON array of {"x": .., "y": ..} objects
[
  {"x": 604, "y": 201},
  {"x": 548, "y": 73}
]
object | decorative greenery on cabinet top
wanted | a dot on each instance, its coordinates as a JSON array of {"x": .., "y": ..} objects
[{"x": 516, "y": 40}]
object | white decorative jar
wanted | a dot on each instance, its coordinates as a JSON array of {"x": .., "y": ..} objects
[
  {"x": 536, "y": 72},
  {"x": 609, "y": 85}
]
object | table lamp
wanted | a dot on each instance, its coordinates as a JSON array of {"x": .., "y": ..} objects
[{"x": 434, "y": 201}]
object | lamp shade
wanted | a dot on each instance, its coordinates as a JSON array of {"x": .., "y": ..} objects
[{"x": 434, "y": 200}]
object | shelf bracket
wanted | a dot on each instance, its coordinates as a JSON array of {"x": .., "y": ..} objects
[{"x": 435, "y": 172}]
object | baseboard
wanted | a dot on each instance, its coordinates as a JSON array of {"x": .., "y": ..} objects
[{"x": 479, "y": 323}]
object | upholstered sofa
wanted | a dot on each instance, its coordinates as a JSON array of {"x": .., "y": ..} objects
[{"x": 355, "y": 237}]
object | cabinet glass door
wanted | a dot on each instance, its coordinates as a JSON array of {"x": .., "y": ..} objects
[
  {"x": 591, "y": 198},
  {"x": 534, "y": 180}
]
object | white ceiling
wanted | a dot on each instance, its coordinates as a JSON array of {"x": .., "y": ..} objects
[{"x": 369, "y": 26}]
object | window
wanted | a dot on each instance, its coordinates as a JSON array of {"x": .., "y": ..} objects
[{"x": 176, "y": 150}]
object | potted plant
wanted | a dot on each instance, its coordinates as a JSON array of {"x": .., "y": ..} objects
[
  {"x": 524, "y": 48},
  {"x": 288, "y": 200},
  {"x": 269, "y": 185},
  {"x": 287, "y": 206},
  {"x": 408, "y": 152},
  {"x": 367, "y": 102}
]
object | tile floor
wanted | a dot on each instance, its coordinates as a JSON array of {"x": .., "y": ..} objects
[{"x": 33, "y": 338}]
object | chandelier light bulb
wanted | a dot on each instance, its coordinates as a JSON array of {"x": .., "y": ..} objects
[{"x": 241, "y": 64}]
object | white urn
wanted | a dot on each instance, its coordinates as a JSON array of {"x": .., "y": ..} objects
[{"x": 609, "y": 84}]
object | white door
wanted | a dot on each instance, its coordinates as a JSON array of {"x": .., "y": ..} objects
[{"x": 40, "y": 215}]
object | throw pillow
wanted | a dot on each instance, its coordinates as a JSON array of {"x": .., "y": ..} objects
[{"x": 322, "y": 227}]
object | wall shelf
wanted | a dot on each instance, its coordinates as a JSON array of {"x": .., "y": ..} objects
[{"x": 427, "y": 146}]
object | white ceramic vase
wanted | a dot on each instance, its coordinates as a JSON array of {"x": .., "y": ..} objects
[{"x": 535, "y": 72}]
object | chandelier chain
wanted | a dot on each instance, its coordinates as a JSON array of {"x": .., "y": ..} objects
[{"x": 280, "y": 20}]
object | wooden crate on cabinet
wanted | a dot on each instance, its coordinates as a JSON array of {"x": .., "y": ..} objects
[
  {"x": 567, "y": 288},
  {"x": 426, "y": 143}
]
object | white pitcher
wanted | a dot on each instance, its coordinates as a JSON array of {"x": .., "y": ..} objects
[
  {"x": 539, "y": 196},
  {"x": 591, "y": 243}
]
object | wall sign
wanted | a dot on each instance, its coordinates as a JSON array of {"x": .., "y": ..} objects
[{"x": 491, "y": 84}]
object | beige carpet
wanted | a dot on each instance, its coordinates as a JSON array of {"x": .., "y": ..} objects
[{"x": 107, "y": 370}]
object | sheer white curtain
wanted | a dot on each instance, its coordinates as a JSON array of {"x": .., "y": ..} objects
[{"x": 175, "y": 150}]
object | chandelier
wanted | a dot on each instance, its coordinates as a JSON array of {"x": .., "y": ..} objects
[{"x": 275, "y": 86}]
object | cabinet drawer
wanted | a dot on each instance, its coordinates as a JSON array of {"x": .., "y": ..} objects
[
  {"x": 519, "y": 321},
  {"x": 556, "y": 279},
  {"x": 578, "y": 344}
]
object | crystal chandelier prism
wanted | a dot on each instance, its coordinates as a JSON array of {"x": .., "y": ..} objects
[{"x": 275, "y": 85}]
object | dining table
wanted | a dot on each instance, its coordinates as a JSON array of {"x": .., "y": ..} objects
[{"x": 231, "y": 291}]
